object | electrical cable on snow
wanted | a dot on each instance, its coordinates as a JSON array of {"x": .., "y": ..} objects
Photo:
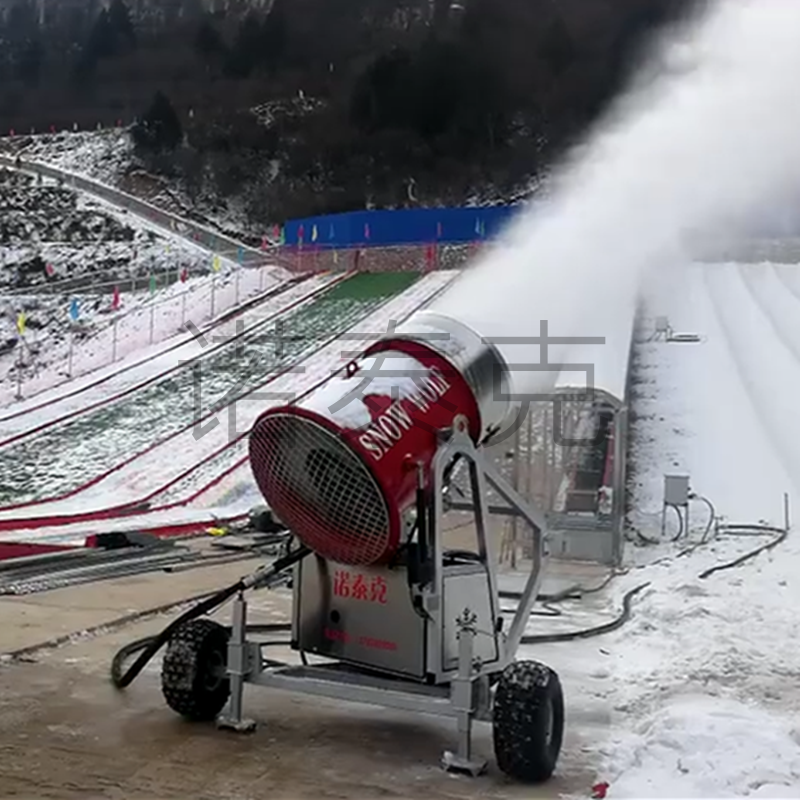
[{"x": 747, "y": 556}]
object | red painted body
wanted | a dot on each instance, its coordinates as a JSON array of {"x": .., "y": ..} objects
[{"x": 400, "y": 436}]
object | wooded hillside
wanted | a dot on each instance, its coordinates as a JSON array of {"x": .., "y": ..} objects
[{"x": 325, "y": 105}]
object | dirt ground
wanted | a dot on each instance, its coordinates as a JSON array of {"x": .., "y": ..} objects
[{"x": 65, "y": 732}]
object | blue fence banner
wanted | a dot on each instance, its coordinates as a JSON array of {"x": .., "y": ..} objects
[{"x": 412, "y": 226}]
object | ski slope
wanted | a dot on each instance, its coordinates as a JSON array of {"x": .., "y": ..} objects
[
  {"x": 723, "y": 410},
  {"x": 696, "y": 692},
  {"x": 162, "y": 464}
]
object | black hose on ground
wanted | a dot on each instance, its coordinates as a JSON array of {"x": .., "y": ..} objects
[
  {"x": 155, "y": 643},
  {"x": 148, "y": 648},
  {"x": 587, "y": 633},
  {"x": 130, "y": 649},
  {"x": 747, "y": 556}
]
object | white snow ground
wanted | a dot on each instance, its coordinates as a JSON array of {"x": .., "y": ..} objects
[{"x": 698, "y": 686}]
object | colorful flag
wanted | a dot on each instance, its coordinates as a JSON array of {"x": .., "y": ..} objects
[
  {"x": 430, "y": 255},
  {"x": 216, "y": 263},
  {"x": 314, "y": 234},
  {"x": 282, "y": 239},
  {"x": 184, "y": 274},
  {"x": 115, "y": 299},
  {"x": 152, "y": 283},
  {"x": 21, "y": 319},
  {"x": 74, "y": 309},
  {"x": 240, "y": 255}
]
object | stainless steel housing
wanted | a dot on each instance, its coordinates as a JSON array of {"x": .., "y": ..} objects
[{"x": 480, "y": 362}]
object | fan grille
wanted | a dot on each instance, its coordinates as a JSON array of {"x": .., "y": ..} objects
[{"x": 320, "y": 489}]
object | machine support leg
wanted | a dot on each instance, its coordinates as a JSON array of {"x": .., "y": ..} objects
[
  {"x": 238, "y": 669},
  {"x": 463, "y": 698}
]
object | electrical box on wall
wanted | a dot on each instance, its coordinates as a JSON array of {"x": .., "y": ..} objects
[{"x": 676, "y": 490}]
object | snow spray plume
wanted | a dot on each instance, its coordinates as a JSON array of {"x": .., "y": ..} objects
[{"x": 703, "y": 147}]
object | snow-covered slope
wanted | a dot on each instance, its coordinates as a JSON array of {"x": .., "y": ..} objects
[
  {"x": 61, "y": 247},
  {"x": 698, "y": 687}
]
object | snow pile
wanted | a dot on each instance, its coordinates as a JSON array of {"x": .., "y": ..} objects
[
  {"x": 700, "y": 696},
  {"x": 700, "y": 747},
  {"x": 713, "y": 410}
]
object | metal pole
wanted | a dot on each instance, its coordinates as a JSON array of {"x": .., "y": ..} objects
[
  {"x": 238, "y": 271},
  {"x": 19, "y": 370},
  {"x": 152, "y": 319},
  {"x": 515, "y": 484},
  {"x": 527, "y": 551},
  {"x": 261, "y": 279},
  {"x": 213, "y": 289},
  {"x": 529, "y": 447},
  {"x": 183, "y": 308},
  {"x": 114, "y": 343},
  {"x": 71, "y": 345},
  {"x": 786, "y": 517},
  {"x": 546, "y": 444},
  {"x": 553, "y": 460}
]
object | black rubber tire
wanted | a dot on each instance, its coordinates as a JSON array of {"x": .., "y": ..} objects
[
  {"x": 528, "y": 721},
  {"x": 190, "y": 673}
]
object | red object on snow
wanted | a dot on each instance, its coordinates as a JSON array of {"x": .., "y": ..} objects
[
  {"x": 115, "y": 299},
  {"x": 50, "y": 270},
  {"x": 184, "y": 274},
  {"x": 599, "y": 790}
]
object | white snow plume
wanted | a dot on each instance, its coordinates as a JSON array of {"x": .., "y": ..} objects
[{"x": 700, "y": 147}]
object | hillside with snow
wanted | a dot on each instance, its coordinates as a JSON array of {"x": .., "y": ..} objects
[{"x": 90, "y": 277}]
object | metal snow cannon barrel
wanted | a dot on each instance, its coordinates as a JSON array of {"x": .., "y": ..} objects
[{"x": 341, "y": 466}]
